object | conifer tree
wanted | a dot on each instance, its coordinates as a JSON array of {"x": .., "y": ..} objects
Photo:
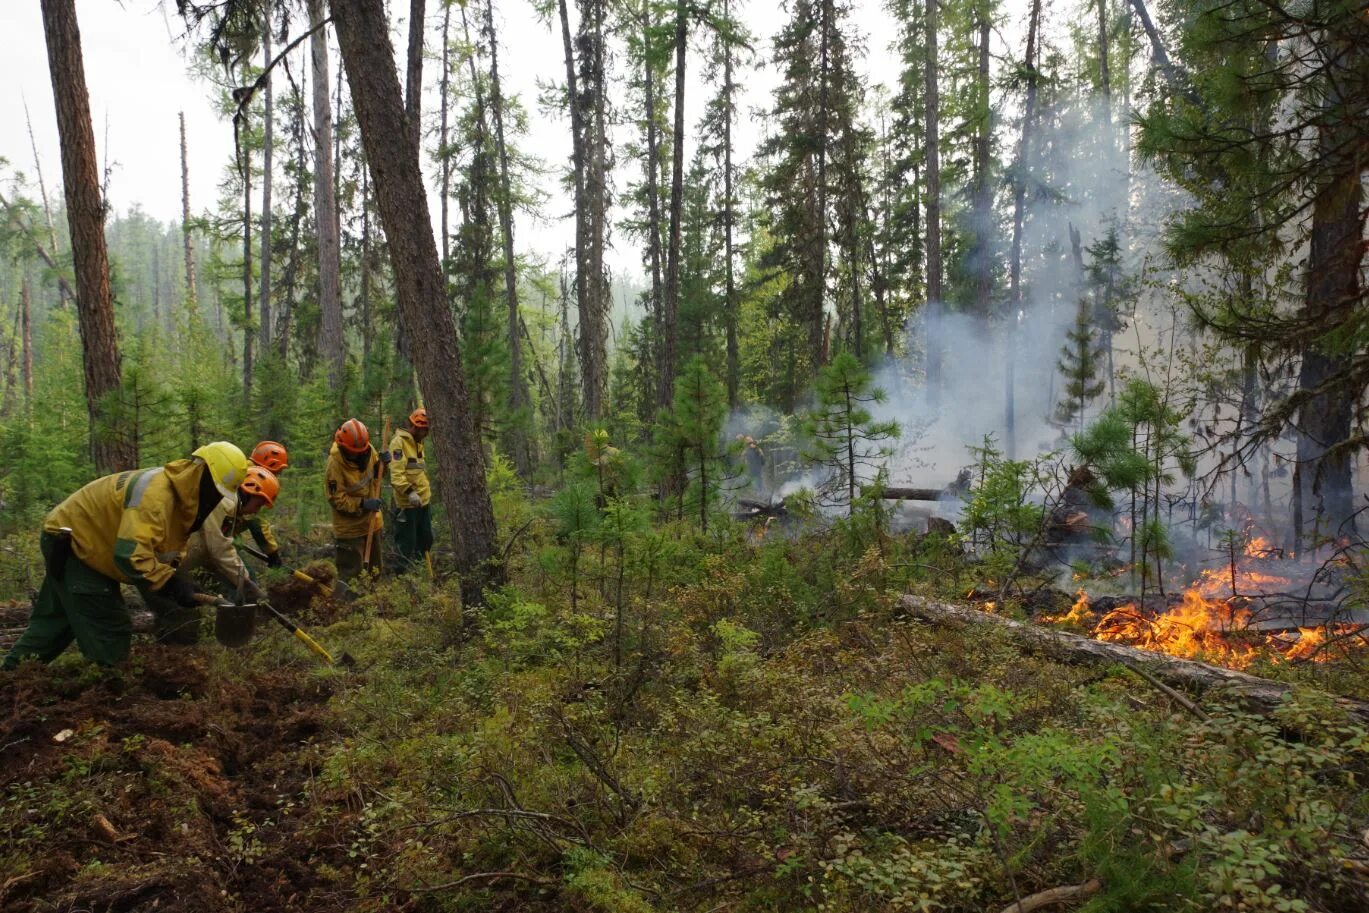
[
  {"x": 1078, "y": 365},
  {"x": 842, "y": 434},
  {"x": 695, "y": 429}
]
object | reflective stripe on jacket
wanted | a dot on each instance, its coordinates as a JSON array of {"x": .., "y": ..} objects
[
  {"x": 346, "y": 485},
  {"x": 131, "y": 525},
  {"x": 408, "y": 468}
]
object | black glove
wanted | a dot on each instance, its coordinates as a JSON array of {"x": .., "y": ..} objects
[
  {"x": 273, "y": 559},
  {"x": 385, "y": 456},
  {"x": 372, "y": 504},
  {"x": 180, "y": 590}
]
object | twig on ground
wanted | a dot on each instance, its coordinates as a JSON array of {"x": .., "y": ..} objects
[{"x": 1055, "y": 897}]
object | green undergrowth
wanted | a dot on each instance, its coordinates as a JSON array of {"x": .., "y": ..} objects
[
  {"x": 765, "y": 730},
  {"x": 668, "y": 720}
]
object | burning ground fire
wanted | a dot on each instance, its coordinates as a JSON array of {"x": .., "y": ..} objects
[{"x": 1213, "y": 619}]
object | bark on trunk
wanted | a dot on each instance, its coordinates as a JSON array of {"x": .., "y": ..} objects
[
  {"x": 817, "y": 341},
  {"x": 934, "y": 308},
  {"x": 669, "y": 330},
  {"x": 653, "y": 194},
  {"x": 519, "y": 401},
  {"x": 26, "y": 332},
  {"x": 268, "y": 139},
  {"x": 1258, "y": 694},
  {"x": 413, "y": 82},
  {"x": 730, "y": 304},
  {"x": 1020, "y": 181},
  {"x": 1326, "y": 418},
  {"x": 983, "y": 193},
  {"x": 86, "y": 218},
  {"x": 594, "y": 330},
  {"x": 578, "y": 167},
  {"x": 190, "y": 297},
  {"x": 245, "y": 166},
  {"x": 331, "y": 344},
  {"x": 420, "y": 290},
  {"x": 1104, "y": 77},
  {"x": 445, "y": 153}
]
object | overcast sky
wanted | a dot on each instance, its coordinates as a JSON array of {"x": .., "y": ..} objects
[{"x": 138, "y": 77}]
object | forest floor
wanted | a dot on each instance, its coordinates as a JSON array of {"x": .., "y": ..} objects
[{"x": 770, "y": 732}]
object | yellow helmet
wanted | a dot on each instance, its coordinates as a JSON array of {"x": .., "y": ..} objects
[{"x": 227, "y": 466}]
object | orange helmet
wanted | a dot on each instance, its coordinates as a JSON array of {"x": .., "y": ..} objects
[
  {"x": 353, "y": 437},
  {"x": 262, "y": 482},
  {"x": 419, "y": 418},
  {"x": 270, "y": 455}
]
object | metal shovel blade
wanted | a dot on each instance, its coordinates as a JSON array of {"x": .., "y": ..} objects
[{"x": 234, "y": 625}]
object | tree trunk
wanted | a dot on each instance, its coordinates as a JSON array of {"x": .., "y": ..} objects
[
  {"x": 730, "y": 303},
  {"x": 26, "y": 335},
  {"x": 296, "y": 218},
  {"x": 653, "y": 197},
  {"x": 1326, "y": 418},
  {"x": 671, "y": 317},
  {"x": 983, "y": 191},
  {"x": 420, "y": 289},
  {"x": 413, "y": 82},
  {"x": 594, "y": 313},
  {"x": 264, "y": 295},
  {"x": 445, "y": 153},
  {"x": 817, "y": 341},
  {"x": 331, "y": 344},
  {"x": 186, "y": 237},
  {"x": 519, "y": 401},
  {"x": 364, "y": 290},
  {"x": 1019, "y": 195},
  {"x": 86, "y": 219},
  {"x": 934, "y": 306},
  {"x": 1104, "y": 77},
  {"x": 579, "y": 167},
  {"x": 245, "y": 166}
]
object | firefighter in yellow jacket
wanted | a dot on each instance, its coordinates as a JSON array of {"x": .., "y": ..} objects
[
  {"x": 130, "y": 527},
  {"x": 274, "y": 459},
  {"x": 352, "y": 481},
  {"x": 409, "y": 480},
  {"x": 212, "y": 548}
]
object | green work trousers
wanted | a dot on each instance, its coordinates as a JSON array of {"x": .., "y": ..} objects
[
  {"x": 83, "y": 605},
  {"x": 413, "y": 535},
  {"x": 349, "y": 555}
]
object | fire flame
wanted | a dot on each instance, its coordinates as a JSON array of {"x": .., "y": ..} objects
[{"x": 1196, "y": 627}]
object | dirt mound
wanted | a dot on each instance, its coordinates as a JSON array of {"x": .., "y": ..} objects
[
  {"x": 169, "y": 784},
  {"x": 309, "y": 602}
]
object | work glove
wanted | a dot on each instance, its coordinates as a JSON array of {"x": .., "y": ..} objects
[
  {"x": 180, "y": 590},
  {"x": 372, "y": 504},
  {"x": 415, "y": 500},
  {"x": 385, "y": 456},
  {"x": 273, "y": 559}
]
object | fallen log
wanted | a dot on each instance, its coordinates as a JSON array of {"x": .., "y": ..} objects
[
  {"x": 1072, "y": 893},
  {"x": 892, "y": 493},
  {"x": 1259, "y": 694}
]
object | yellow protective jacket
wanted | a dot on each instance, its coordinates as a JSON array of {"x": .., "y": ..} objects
[
  {"x": 408, "y": 469},
  {"x": 212, "y": 545},
  {"x": 132, "y": 525},
  {"x": 346, "y": 486}
]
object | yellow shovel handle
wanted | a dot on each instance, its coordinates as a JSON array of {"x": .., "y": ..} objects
[
  {"x": 300, "y": 575},
  {"x": 314, "y": 645}
]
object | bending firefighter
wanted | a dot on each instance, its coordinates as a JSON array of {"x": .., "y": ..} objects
[
  {"x": 124, "y": 528},
  {"x": 211, "y": 547},
  {"x": 273, "y": 458},
  {"x": 409, "y": 479},
  {"x": 352, "y": 481}
]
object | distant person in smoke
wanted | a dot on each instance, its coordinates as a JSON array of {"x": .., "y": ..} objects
[
  {"x": 753, "y": 459},
  {"x": 413, "y": 493}
]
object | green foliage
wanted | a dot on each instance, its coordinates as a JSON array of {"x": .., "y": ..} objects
[
  {"x": 843, "y": 436},
  {"x": 691, "y": 436}
]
